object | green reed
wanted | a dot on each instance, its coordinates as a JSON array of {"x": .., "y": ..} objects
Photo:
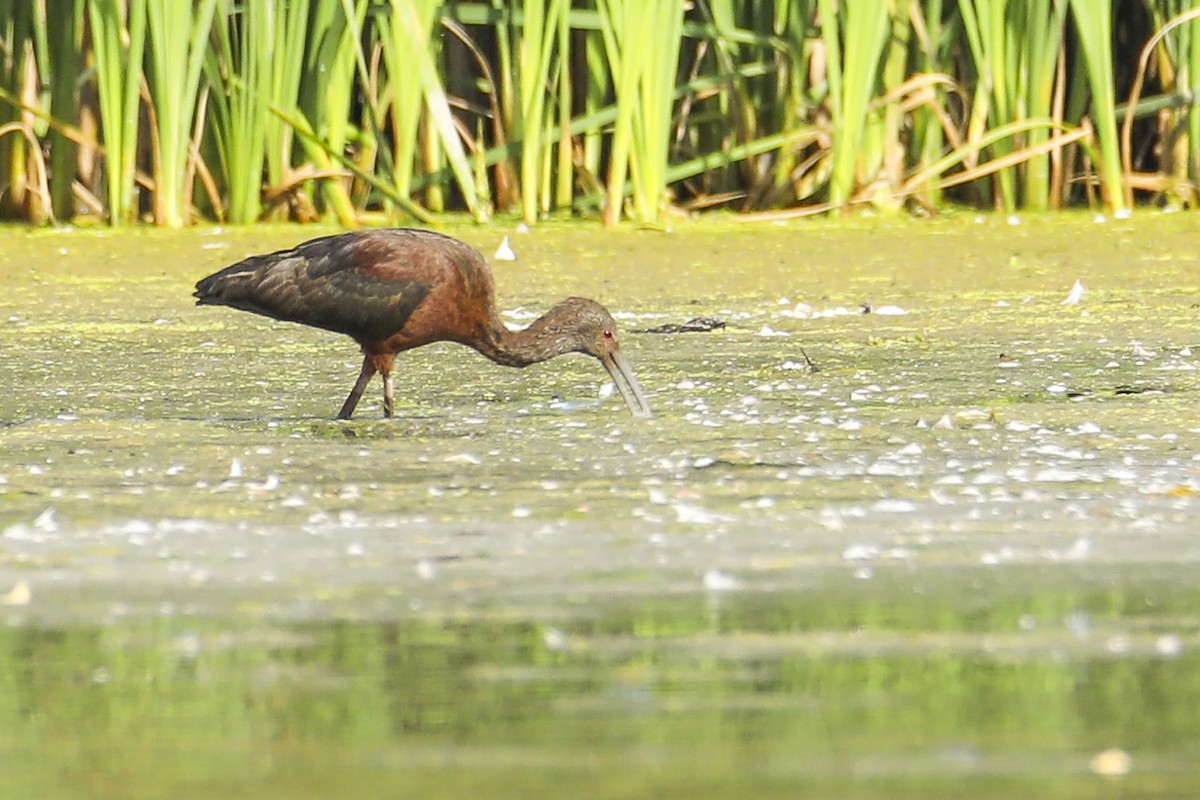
[
  {"x": 118, "y": 38},
  {"x": 1093, "y": 23},
  {"x": 238, "y": 109},
  {"x": 176, "y": 45}
]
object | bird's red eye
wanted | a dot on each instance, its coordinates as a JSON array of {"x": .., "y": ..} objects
[{"x": 608, "y": 334}]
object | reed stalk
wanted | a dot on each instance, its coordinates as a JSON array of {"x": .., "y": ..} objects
[
  {"x": 855, "y": 39},
  {"x": 642, "y": 40},
  {"x": 239, "y": 72},
  {"x": 178, "y": 39},
  {"x": 118, "y": 38},
  {"x": 1093, "y": 23}
]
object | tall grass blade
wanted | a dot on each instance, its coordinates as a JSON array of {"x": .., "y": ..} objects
[
  {"x": 1093, "y": 23},
  {"x": 118, "y": 41},
  {"x": 178, "y": 36},
  {"x": 855, "y": 36}
]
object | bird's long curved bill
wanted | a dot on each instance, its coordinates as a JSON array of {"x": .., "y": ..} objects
[{"x": 622, "y": 377}]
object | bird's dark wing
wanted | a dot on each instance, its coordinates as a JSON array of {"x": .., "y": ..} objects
[{"x": 338, "y": 283}]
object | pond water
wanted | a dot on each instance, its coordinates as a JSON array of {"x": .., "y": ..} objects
[{"x": 957, "y": 559}]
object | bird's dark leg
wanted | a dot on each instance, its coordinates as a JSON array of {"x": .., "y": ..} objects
[{"x": 364, "y": 377}]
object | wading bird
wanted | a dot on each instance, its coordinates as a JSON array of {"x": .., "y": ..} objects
[{"x": 393, "y": 290}]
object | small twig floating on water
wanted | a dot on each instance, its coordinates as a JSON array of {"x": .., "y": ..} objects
[{"x": 696, "y": 325}]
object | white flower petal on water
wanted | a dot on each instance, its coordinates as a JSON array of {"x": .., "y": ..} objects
[{"x": 505, "y": 251}]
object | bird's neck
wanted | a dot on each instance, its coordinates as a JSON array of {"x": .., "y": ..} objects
[{"x": 542, "y": 340}]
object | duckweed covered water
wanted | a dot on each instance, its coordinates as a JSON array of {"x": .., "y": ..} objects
[{"x": 958, "y": 559}]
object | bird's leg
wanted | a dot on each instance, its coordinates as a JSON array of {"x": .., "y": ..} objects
[
  {"x": 384, "y": 365},
  {"x": 364, "y": 377},
  {"x": 389, "y": 396}
]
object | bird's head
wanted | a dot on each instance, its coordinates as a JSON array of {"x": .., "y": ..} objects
[{"x": 585, "y": 326}]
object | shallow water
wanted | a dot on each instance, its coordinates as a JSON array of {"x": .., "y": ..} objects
[{"x": 959, "y": 558}]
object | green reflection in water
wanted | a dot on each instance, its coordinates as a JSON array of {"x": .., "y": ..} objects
[{"x": 754, "y": 695}]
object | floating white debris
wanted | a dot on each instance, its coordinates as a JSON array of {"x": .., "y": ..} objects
[
  {"x": 1123, "y": 213},
  {"x": 1013, "y": 219},
  {"x": 19, "y": 595},
  {"x": 944, "y": 423},
  {"x": 1056, "y": 388},
  {"x": 521, "y": 512},
  {"x": 695, "y": 515},
  {"x": 767, "y": 330},
  {"x": 45, "y": 521},
  {"x": 1185, "y": 352},
  {"x": 1111, "y": 763},
  {"x": 889, "y": 311},
  {"x": 462, "y": 458},
  {"x": 235, "y": 468},
  {"x": 554, "y": 639},
  {"x": 717, "y": 581},
  {"x": 800, "y": 311},
  {"x": 840, "y": 311},
  {"x": 860, "y": 552},
  {"x": 505, "y": 251},
  {"x": 606, "y": 390},
  {"x": 426, "y": 570},
  {"x": 1080, "y": 549},
  {"x": 1075, "y": 295},
  {"x": 269, "y": 485},
  {"x": 891, "y": 505},
  {"x": 1063, "y": 475},
  {"x": 522, "y": 228},
  {"x": 1168, "y": 645},
  {"x": 1141, "y": 352},
  {"x": 657, "y": 496},
  {"x": 1112, "y": 365},
  {"x": 1099, "y": 219}
]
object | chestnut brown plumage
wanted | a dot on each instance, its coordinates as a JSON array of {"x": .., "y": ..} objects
[{"x": 396, "y": 289}]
